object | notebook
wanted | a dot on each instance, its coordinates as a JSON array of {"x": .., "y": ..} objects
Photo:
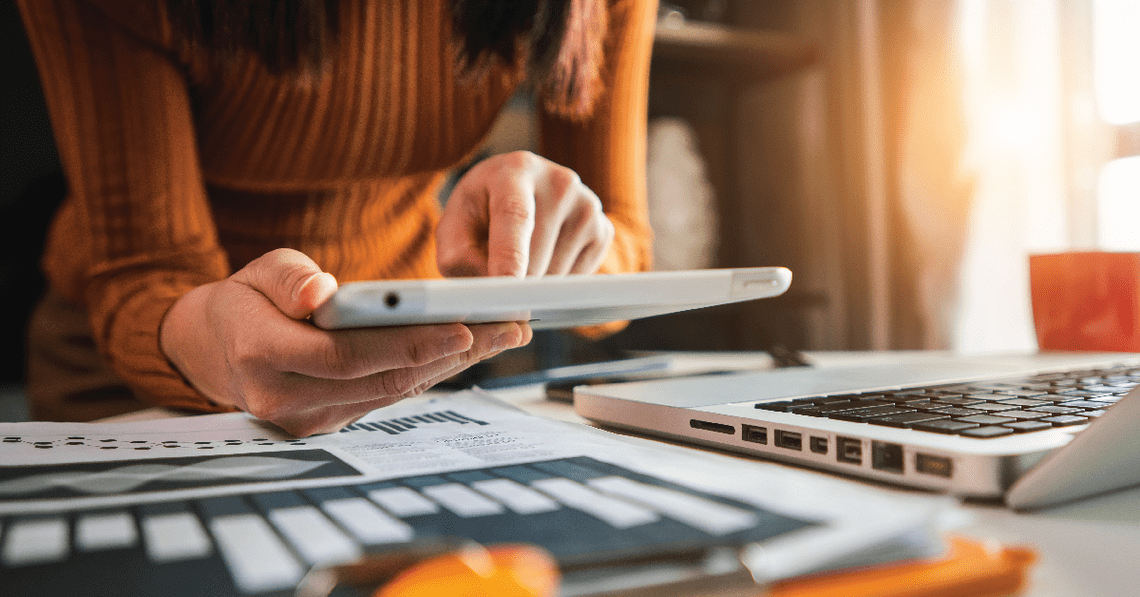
[{"x": 1032, "y": 429}]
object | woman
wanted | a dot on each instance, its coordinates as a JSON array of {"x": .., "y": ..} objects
[{"x": 230, "y": 162}]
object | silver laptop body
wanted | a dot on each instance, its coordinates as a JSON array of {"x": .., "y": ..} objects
[{"x": 1027, "y": 468}]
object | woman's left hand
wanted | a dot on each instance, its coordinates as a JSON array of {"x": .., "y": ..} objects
[{"x": 518, "y": 214}]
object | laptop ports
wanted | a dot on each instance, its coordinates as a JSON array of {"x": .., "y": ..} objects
[
  {"x": 818, "y": 444},
  {"x": 849, "y": 450},
  {"x": 754, "y": 434},
  {"x": 710, "y": 426},
  {"x": 929, "y": 464},
  {"x": 887, "y": 457},
  {"x": 789, "y": 440}
]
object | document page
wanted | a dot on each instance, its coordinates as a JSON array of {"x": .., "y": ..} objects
[{"x": 467, "y": 462}]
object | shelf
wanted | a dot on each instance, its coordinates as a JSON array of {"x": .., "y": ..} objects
[{"x": 717, "y": 50}]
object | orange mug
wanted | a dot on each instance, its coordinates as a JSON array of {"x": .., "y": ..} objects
[{"x": 1086, "y": 301}]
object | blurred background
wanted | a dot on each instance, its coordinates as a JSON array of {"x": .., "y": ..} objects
[{"x": 902, "y": 157}]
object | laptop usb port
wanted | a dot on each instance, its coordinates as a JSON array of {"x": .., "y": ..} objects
[
  {"x": 849, "y": 450},
  {"x": 789, "y": 439},
  {"x": 887, "y": 457},
  {"x": 818, "y": 444},
  {"x": 754, "y": 434},
  {"x": 933, "y": 465},
  {"x": 710, "y": 426}
]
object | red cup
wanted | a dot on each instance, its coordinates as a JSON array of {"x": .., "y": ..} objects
[{"x": 1086, "y": 301}]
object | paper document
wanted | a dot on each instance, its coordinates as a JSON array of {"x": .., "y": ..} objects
[{"x": 224, "y": 484}]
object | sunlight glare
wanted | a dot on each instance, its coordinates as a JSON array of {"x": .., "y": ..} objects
[
  {"x": 1116, "y": 31},
  {"x": 1118, "y": 194}
]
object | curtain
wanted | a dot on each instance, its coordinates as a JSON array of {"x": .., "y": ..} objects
[{"x": 1035, "y": 144}]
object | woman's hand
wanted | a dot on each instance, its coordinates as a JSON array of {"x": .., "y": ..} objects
[
  {"x": 518, "y": 214},
  {"x": 245, "y": 342}
]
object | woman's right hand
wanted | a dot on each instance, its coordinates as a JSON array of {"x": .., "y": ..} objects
[{"x": 245, "y": 341}]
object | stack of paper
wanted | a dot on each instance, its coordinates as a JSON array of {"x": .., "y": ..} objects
[{"x": 229, "y": 505}]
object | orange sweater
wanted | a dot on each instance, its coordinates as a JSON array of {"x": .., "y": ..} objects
[{"x": 178, "y": 175}]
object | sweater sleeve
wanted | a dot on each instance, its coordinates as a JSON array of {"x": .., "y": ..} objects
[
  {"x": 135, "y": 232},
  {"x": 607, "y": 149}
]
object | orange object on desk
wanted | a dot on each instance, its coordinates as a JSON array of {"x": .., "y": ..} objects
[
  {"x": 502, "y": 570},
  {"x": 1086, "y": 301},
  {"x": 969, "y": 569}
]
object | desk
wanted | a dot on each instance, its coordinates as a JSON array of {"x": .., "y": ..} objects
[{"x": 1088, "y": 548}]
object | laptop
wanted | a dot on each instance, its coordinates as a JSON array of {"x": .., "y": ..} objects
[{"x": 1032, "y": 429}]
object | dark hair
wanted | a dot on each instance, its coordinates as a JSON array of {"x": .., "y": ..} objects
[{"x": 560, "y": 41}]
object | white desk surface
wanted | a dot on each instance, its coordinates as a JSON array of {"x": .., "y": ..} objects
[{"x": 1089, "y": 548}]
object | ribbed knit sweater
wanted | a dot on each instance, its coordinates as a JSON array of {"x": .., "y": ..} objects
[{"x": 179, "y": 174}]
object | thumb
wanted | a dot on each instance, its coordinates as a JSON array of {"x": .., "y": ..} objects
[{"x": 292, "y": 281}]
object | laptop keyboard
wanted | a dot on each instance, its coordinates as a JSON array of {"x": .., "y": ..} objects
[{"x": 980, "y": 410}]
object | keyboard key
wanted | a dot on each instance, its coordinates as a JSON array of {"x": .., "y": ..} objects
[
  {"x": 946, "y": 426},
  {"x": 908, "y": 419},
  {"x": 961, "y": 401},
  {"x": 866, "y": 414},
  {"x": 1022, "y": 393},
  {"x": 841, "y": 407},
  {"x": 908, "y": 397},
  {"x": 1074, "y": 394},
  {"x": 986, "y": 432},
  {"x": 996, "y": 386},
  {"x": 985, "y": 420},
  {"x": 1023, "y": 415},
  {"x": 1030, "y": 402},
  {"x": 846, "y": 398},
  {"x": 257, "y": 560},
  {"x": 957, "y": 412},
  {"x": 174, "y": 537},
  {"x": 1056, "y": 410},
  {"x": 1025, "y": 426},
  {"x": 1089, "y": 404},
  {"x": 1106, "y": 389},
  {"x": 36, "y": 541},
  {"x": 994, "y": 407},
  {"x": 924, "y": 404},
  {"x": 783, "y": 405},
  {"x": 1065, "y": 420},
  {"x": 105, "y": 530}
]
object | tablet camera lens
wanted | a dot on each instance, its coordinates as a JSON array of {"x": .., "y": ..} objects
[{"x": 392, "y": 300}]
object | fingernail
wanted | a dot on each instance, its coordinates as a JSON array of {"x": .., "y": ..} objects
[{"x": 311, "y": 287}]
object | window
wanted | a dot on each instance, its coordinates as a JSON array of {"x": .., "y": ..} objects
[{"x": 1116, "y": 52}]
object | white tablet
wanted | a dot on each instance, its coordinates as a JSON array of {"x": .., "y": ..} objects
[{"x": 549, "y": 302}]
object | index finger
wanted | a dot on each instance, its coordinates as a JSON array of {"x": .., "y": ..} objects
[
  {"x": 354, "y": 353},
  {"x": 511, "y": 222}
]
